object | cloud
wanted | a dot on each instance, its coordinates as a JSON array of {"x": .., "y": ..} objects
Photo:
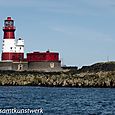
[
  {"x": 16, "y": 3},
  {"x": 73, "y": 7},
  {"x": 82, "y": 33},
  {"x": 98, "y": 3},
  {"x": 80, "y": 8},
  {"x": 58, "y": 29}
]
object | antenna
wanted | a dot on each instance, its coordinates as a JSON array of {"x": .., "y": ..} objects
[
  {"x": 62, "y": 63},
  {"x": 107, "y": 58}
]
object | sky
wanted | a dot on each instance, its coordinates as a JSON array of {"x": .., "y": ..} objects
[{"x": 82, "y": 31}]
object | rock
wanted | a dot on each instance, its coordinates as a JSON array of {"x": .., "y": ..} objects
[{"x": 65, "y": 79}]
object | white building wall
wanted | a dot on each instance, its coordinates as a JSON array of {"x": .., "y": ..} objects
[
  {"x": 8, "y": 45},
  {"x": 20, "y": 46}
]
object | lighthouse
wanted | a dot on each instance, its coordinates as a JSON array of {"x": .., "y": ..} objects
[
  {"x": 12, "y": 57},
  {"x": 11, "y": 50},
  {"x": 8, "y": 46}
]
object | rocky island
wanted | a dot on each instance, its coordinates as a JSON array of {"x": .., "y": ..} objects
[{"x": 96, "y": 75}]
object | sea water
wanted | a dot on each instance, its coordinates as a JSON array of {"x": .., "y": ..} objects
[{"x": 58, "y": 100}]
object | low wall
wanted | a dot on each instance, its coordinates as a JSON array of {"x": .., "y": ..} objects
[
  {"x": 31, "y": 66},
  {"x": 20, "y": 66},
  {"x": 45, "y": 66},
  {"x": 16, "y": 66},
  {"x": 5, "y": 65}
]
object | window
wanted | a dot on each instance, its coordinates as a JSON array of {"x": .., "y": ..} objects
[{"x": 8, "y": 23}]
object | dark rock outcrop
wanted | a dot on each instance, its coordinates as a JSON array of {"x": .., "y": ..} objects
[{"x": 103, "y": 66}]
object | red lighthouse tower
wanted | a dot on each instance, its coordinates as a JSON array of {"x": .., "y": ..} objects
[{"x": 8, "y": 48}]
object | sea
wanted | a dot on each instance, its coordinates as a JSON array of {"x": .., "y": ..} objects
[{"x": 34, "y": 100}]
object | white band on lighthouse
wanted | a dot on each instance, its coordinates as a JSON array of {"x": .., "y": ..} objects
[{"x": 8, "y": 45}]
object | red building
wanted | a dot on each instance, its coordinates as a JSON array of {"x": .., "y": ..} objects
[{"x": 42, "y": 56}]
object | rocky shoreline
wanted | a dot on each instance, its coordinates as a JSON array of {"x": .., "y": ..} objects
[
  {"x": 98, "y": 75},
  {"x": 58, "y": 79}
]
